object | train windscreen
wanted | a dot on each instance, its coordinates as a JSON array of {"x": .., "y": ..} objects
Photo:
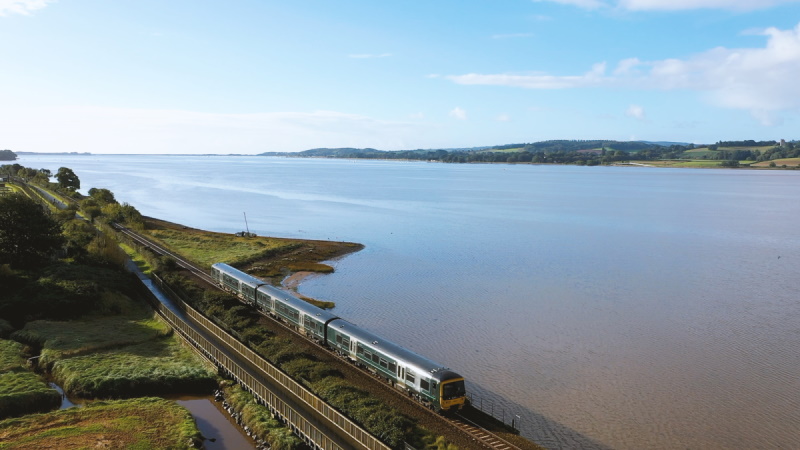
[{"x": 453, "y": 390}]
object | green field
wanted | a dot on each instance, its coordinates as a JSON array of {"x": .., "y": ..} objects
[
  {"x": 788, "y": 162},
  {"x": 207, "y": 248},
  {"x": 144, "y": 423},
  {"x": 115, "y": 357}
]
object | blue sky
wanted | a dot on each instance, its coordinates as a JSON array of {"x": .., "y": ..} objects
[{"x": 249, "y": 76}]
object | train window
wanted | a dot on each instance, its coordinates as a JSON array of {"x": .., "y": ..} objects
[
  {"x": 360, "y": 349},
  {"x": 384, "y": 363},
  {"x": 339, "y": 339},
  {"x": 346, "y": 343},
  {"x": 393, "y": 367},
  {"x": 410, "y": 377},
  {"x": 375, "y": 358},
  {"x": 423, "y": 384},
  {"x": 367, "y": 354}
]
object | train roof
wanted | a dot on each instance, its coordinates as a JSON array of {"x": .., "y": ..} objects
[
  {"x": 285, "y": 297},
  {"x": 238, "y": 274},
  {"x": 422, "y": 364}
]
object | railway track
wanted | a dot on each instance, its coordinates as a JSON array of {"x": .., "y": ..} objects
[{"x": 480, "y": 435}]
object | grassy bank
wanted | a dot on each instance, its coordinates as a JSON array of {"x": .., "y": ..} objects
[
  {"x": 259, "y": 419},
  {"x": 22, "y": 392},
  {"x": 141, "y": 423},
  {"x": 116, "y": 357},
  {"x": 266, "y": 257}
]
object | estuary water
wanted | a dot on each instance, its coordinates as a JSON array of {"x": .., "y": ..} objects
[{"x": 607, "y": 307}]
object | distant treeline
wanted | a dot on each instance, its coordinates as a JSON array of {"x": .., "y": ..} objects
[
  {"x": 589, "y": 152},
  {"x": 582, "y": 152},
  {"x": 7, "y": 155}
]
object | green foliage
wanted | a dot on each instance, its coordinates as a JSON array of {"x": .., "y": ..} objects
[
  {"x": 25, "y": 393},
  {"x": 67, "y": 179},
  {"x": 11, "y": 355},
  {"x": 102, "y": 196},
  {"x": 142, "y": 423},
  {"x": 22, "y": 392},
  {"x": 156, "y": 367},
  {"x": 124, "y": 213},
  {"x": 64, "y": 290},
  {"x": 260, "y": 420},
  {"x": 61, "y": 340},
  {"x": 77, "y": 236},
  {"x": 5, "y": 327},
  {"x": 28, "y": 235}
]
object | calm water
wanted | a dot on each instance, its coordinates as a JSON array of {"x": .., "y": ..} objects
[{"x": 608, "y": 307}]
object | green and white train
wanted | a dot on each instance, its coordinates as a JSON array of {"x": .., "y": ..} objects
[{"x": 428, "y": 381}]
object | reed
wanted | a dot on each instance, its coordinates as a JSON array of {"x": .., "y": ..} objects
[{"x": 138, "y": 423}]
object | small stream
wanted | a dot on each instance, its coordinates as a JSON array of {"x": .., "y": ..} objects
[{"x": 219, "y": 429}]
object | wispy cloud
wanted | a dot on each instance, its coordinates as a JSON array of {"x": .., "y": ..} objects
[
  {"x": 586, "y": 4},
  {"x": 25, "y": 7},
  {"x": 503, "y": 118},
  {"x": 759, "y": 80},
  {"x": 673, "y": 5},
  {"x": 458, "y": 113},
  {"x": 535, "y": 81},
  {"x": 368, "y": 55}
]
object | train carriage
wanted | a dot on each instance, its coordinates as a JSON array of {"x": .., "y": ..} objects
[{"x": 427, "y": 380}]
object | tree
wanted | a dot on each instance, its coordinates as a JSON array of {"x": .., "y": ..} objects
[
  {"x": 67, "y": 179},
  {"x": 102, "y": 196},
  {"x": 28, "y": 235}
]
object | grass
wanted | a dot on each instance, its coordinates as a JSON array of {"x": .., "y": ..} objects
[
  {"x": 259, "y": 418},
  {"x": 155, "y": 367},
  {"x": 23, "y": 392},
  {"x": 137, "y": 258},
  {"x": 143, "y": 423},
  {"x": 114, "y": 357},
  {"x": 207, "y": 248},
  {"x": 701, "y": 163},
  {"x": 61, "y": 340},
  {"x": 11, "y": 355},
  {"x": 788, "y": 162}
]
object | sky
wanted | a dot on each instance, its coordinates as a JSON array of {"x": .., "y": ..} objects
[{"x": 252, "y": 76}]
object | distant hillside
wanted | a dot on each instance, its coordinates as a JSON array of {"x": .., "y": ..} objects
[
  {"x": 349, "y": 152},
  {"x": 7, "y": 155},
  {"x": 581, "y": 152}
]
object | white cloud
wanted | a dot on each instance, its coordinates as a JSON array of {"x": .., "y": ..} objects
[
  {"x": 536, "y": 81},
  {"x": 587, "y": 4},
  {"x": 369, "y": 55},
  {"x": 635, "y": 111},
  {"x": 118, "y": 130},
  {"x": 458, "y": 113},
  {"x": 759, "y": 80},
  {"x": 503, "y": 118},
  {"x": 25, "y": 7},
  {"x": 673, "y": 5}
]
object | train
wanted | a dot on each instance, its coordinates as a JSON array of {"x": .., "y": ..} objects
[{"x": 431, "y": 383}]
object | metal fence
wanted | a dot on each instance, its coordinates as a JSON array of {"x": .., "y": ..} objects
[{"x": 295, "y": 420}]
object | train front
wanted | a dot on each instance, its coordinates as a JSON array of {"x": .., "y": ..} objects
[{"x": 452, "y": 391}]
